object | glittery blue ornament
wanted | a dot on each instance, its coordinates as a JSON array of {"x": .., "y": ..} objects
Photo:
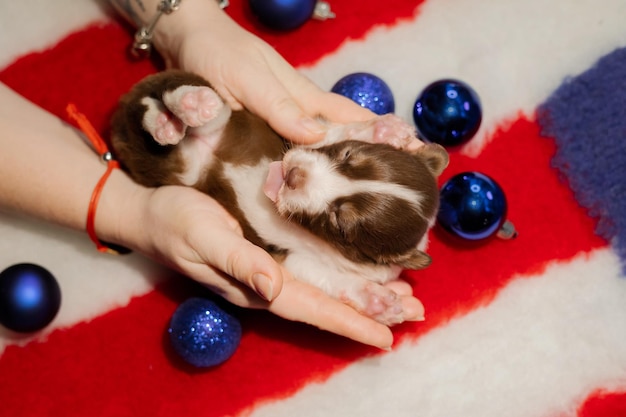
[
  {"x": 367, "y": 90},
  {"x": 30, "y": 297},
  {"x": 472, "y": 206},
  {"x": 283, "y": 14},
  {"x": 203, "y": 334},
  {"x": 447, "y": 112}
]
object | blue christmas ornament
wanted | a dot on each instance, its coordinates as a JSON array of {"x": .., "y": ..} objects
[
  {"x": 473, "y": 207},
  {"x": 30, "y": 297},
  {"x": 367, "y": 90},
  {"x": 447, "y": 112},
  {"x": 203, "y": 334},
  {"x": 283, "y": 14}
]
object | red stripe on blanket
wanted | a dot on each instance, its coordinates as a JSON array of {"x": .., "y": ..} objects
[
  {"x": 316, "y": 39},
  {"x": 604, "y": 404},
  {"x": 121, "y": 364},
  {"x": 551, "y": 225}
]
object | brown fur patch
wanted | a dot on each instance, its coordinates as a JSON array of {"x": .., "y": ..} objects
[
  {"x": 148, "y": 162},
  {"x": 371, "y": 228},
  {"x": 249, "y": 140}
]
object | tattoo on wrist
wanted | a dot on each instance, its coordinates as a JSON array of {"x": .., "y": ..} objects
[
  {"x": 140, "y": 5},
  {"x": 126, "y": 7}
]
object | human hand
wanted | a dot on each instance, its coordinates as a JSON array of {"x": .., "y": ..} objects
[
  {"x": 247, "y": 72},
  {"x": 191, "y": 233}
]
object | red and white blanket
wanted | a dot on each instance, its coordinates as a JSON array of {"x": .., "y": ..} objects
[{"x": 533, "y": 327}]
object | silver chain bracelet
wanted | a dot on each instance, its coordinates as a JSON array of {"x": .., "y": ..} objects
[{"x": 142, "y": 45}]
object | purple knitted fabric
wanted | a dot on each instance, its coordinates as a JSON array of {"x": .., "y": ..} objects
[{"x": 587, "y": 118}]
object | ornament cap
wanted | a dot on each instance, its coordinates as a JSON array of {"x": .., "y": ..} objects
[
  {"x": 323, "y": 11},
  {"x": 507, "y": 231}
]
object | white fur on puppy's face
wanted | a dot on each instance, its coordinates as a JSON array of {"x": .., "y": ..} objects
[{"x": 318, "y": 184}]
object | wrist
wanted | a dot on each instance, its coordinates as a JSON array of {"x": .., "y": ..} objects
[
  {"x": 193, "y": 16},
  {"x": 166, "y": 31},
  {"x": 119, "y": 214}
]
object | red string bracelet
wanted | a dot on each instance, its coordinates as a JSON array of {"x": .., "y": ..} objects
[{"x": 101, "y": 148}]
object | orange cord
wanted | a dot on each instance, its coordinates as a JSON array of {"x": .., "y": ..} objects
[{"x": 102, "y": 149}]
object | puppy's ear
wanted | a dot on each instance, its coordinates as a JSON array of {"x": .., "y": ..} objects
[
  {"x": 415, "y": 259},
  {"x": 434, "y": 156}
]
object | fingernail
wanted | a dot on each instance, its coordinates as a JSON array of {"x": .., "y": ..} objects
[
  {"x": 418, "y": 318},
  {"x": 313, "y": 125},
  {"x": 263, "y": 286},
  {"x": 386, "y": 349}
]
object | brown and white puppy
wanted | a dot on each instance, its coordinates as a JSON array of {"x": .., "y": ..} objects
[{"x": 346, "y": 215}]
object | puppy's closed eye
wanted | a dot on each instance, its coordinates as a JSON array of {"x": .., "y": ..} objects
[
  {"x": 344, "y": 217},
  {"x": 345, "y": 155}
]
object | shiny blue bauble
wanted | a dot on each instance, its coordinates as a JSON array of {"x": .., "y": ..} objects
[
  {"x": 447, "y": 112},
  {"x": 367, "y": 90},
  {"x": 203, "y": 334},
  {"x": 283, "y": 14},
  {"x": 472, "y": 206},
  {"x": 30, "y": 297}
]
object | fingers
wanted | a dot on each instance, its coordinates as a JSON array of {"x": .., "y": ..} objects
[
  {"x": 307, "y": 304},
  {"x": 400, "y": 287},
  {"x": 250, "y": 265},
  {"x": 232, "y": 253},
  {"x": 312, "y": 102},
  {"x": 273, "y": 103},
  {"x": 412, "y": 308},
  {"x": 291, "y": 103},
  {"x": 339, "y": 109}
]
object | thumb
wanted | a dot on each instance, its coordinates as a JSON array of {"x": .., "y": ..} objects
[
  {"x": 290, "y": 121},
  {"x": 273, "y": 103},
  {"x": 247, "y": 263}
]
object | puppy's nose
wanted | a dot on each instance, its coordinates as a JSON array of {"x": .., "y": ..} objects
[{"x": 295, "y": 178}]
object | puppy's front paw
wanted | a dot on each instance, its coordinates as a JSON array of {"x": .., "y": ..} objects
[
  {"x": 193, "y": 105},
  {"x": 389, "y": 129},
  {"x": 377, "y": 302},
  {"x": 394, "y": 131}
]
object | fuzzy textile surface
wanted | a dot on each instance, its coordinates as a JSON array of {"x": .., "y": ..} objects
[
  {"x": 585, "y": 116},
  {"x": 531, "y": 327}
]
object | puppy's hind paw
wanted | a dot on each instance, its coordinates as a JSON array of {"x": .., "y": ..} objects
[
  {"x": 193, "y": 105},
  {"x": 164, "y": 127}
]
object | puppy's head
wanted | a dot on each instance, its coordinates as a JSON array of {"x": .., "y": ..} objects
[{"x": 373, "y": 202}]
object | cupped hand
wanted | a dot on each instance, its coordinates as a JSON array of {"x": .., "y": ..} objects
[
  {"x": 193, "y": 234},
  {"x": 302, "y": 302},
  {"x": 247, "y": 72},
  {"x": 190, "y": 232}
]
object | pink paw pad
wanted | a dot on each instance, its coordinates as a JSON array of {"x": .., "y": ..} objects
[
  {"x": 392, "y": 130},
  {"x": 382, "y": 304},
  {"x": 193, "y": 105},
  {"x": 168, "y": 129}
]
